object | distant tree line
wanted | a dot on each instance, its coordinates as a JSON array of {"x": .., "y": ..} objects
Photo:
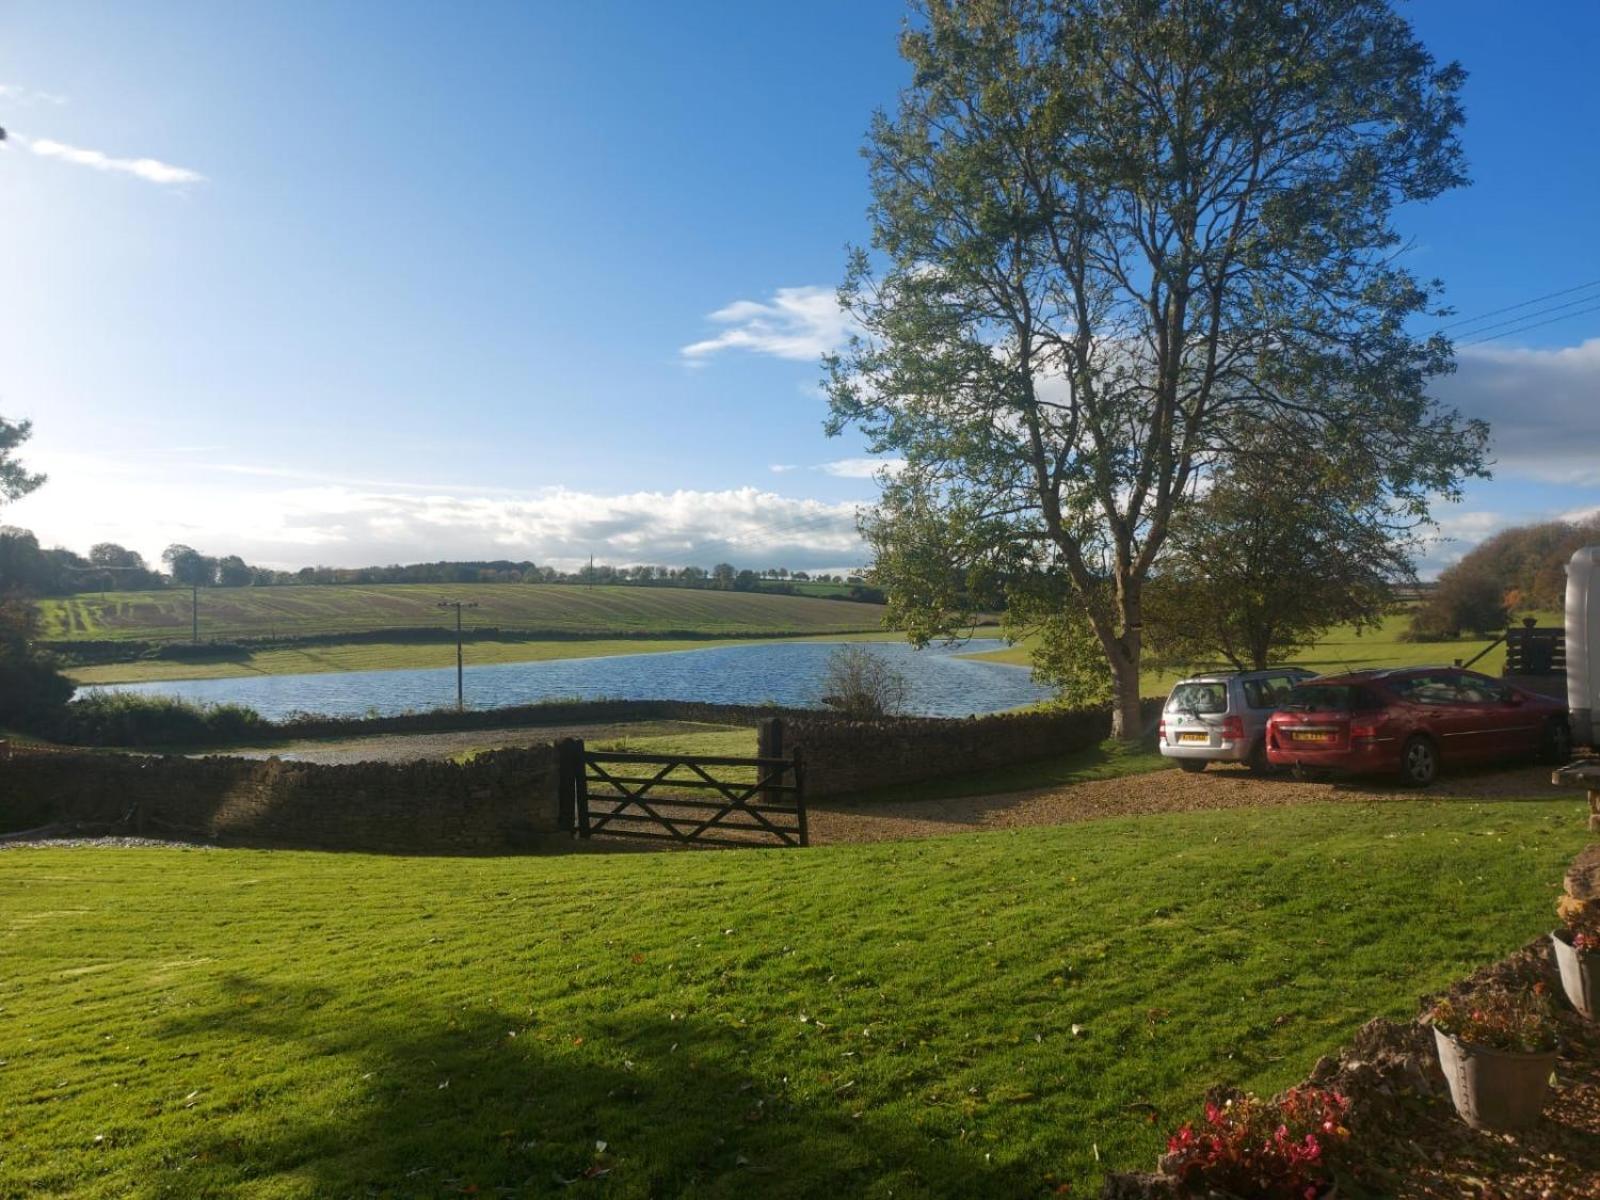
[
  {"x": 25, "y": 565},
  {"x": 1518, "y": 570}
]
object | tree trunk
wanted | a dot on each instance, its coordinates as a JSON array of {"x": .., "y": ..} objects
[{"x": 1127, "y": 725}]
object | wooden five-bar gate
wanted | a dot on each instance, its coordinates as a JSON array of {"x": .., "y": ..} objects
[{"x": 687, "y": 799}]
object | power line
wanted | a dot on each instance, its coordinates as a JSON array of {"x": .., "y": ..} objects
[
  {"x": 1495, "y": 312},
  {"x": 1535, "y": 325},
  {"x": 1549, "y": 311}
]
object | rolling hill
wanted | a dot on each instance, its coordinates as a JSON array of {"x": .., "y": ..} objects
[{"x": 550, "y": 609}]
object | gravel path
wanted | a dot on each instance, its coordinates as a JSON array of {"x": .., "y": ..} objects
[
  {"x": 832, "y": 822},
  {"x": 412, "y": 747}
]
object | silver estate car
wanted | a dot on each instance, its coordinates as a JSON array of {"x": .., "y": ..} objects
[{"x": 1222, "y": 716}]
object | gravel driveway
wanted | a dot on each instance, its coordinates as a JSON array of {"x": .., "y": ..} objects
[
  {"x": 413, "y": 747},
  {"x": 1135, "y": 795}
]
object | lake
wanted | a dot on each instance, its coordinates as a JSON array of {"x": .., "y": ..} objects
[{"x": 940, "y": 682}]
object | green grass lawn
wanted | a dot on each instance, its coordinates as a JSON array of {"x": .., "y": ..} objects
[
  {"x": 389, "y": 656},
  {"x": 856, "y": 1020},
  {"x": 1343, "y": 649},
  {"x": 291, "y": 611}
]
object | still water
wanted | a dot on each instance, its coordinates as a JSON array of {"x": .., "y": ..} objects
[{"x": 939, "y": 682}]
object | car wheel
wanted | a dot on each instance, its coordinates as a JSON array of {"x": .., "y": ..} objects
[
  {"x": 1258, "y": 762},
  {"x": 1556, "y": 745},
  {"x": 1419, "y": 762},
  {"x": 1192, "y": 765}
]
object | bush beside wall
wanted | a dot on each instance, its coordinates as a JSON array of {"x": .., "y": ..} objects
[{"x": 504, "y": 800}]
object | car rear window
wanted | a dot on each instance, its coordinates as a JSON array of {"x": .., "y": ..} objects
[
  {"x": 1199, "y": 698},
  {"x": 1331, "y": 697}
]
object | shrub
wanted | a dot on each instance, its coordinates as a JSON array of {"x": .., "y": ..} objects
[
  {"x": 32, "y": 692},
  {"x": 1500, "y": 1018},
  {"x": 131, "y": 719},
  {"x": 862, "y": 685},
  {"x": 1253, "y": 1147}
]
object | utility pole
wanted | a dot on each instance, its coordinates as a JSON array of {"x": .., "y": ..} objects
[
  {"x": 591, "y": 572},
  {"x": 458, "y": 605}
]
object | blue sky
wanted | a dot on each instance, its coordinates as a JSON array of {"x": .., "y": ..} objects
[{"x": 354, "y": 283}]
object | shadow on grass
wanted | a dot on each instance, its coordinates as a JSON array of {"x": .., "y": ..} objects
[{"x": 480, "y": 1101}]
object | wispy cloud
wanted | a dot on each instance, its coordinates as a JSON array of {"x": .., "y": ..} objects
[
  {"x": 798, "y": 323},
  {"x": 152, "y": 170},
  {"x": 846, "y": 468},
  {"x": 26, "y": 97}
]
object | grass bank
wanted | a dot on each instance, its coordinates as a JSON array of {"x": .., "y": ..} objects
[
  {"x": 1342, "y": 649},
  {"x": 282, "y": 612},
  {"x": 983, "y": 1015}
]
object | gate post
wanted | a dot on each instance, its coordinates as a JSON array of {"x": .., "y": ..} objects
[
  {"x": 569, "y": 767},
  {"x": 769, "y": 744},
  {"x": 800, "y": 796}
]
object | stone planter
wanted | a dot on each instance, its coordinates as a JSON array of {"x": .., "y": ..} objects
[
  {"x": 1495, "y": 1089},
  {"x": 1580, "y": 974}
]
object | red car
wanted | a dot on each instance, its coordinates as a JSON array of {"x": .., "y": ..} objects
[{"x": 1408, "y": 721}]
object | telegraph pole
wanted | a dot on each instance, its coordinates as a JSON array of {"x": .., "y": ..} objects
[{"x": 458, "y": 605}]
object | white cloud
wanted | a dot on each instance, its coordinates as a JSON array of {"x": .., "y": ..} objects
[
  {"x": 1543, "y": 408},
  {"x": 279, "y": 522},
  {"x": 150, "y": 169},
  {"x": 799, "y": 323}
]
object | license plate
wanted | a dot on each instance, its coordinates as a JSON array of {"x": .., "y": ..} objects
[
  {"x": 1203, "y": 739},
  {"x": 1311, "y": 735}
]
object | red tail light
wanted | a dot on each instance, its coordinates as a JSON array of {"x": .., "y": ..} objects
[
  {"x": 1366, "y": 729},
  {"x": 1161, "y": 730},
  {"x": 1233, "y": 729}
]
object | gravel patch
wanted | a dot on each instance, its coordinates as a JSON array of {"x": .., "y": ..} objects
[
  {"x": 414, "y": 747},
  {"x": 100, "y": 843},
  {"x": 1220, "y": 787}
]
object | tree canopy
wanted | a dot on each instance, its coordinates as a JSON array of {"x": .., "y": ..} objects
[
  {"x": 16, "y": 480},
  {"x": 1113, "y": 240}
]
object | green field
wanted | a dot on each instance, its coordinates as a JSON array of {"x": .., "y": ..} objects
[
  {"x": 227, "y": 613},
  {"x": 846, "y": 1021},
  {"x": 1341, "y": 650}
]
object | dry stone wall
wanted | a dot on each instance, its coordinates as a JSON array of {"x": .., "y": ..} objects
[
  {"x": 502, "y": 801},
  {"x": 856, "y": 756}
]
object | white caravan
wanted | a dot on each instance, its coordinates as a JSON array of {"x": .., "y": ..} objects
[{"x": 1583, "y": 645}]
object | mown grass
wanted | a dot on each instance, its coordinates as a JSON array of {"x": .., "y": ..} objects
[
  {"x": 664, "y": 737},
  {"x": 1343, "y": 649},
  {"x": 296, "y": 611},
  {"x": 390, "y": 656},
  {"x": 856, "y": 1020}
]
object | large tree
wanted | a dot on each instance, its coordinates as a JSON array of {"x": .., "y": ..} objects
[
  {"x": 1115, "y": 237},
  {"x": 1275, "y": 552}
]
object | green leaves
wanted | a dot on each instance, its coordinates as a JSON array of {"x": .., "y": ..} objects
[{"x": 1112, "y": 236}]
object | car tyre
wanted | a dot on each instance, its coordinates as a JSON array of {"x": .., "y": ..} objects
[
  {"x": 1419, "y": 762},
  {"x": 1556, "y": 745},
  {"x": 1258, "y": 762},
  {"x": 1192, "y": 765}
]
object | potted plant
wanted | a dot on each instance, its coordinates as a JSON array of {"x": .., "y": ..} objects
[
  {"x": 1577, "y": 946},
  {"x": 1253, "y": 1147},
  {"x": 1497, "y": 1049}
]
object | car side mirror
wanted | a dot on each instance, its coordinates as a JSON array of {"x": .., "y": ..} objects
[{"x": 1513, "y": 698}]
